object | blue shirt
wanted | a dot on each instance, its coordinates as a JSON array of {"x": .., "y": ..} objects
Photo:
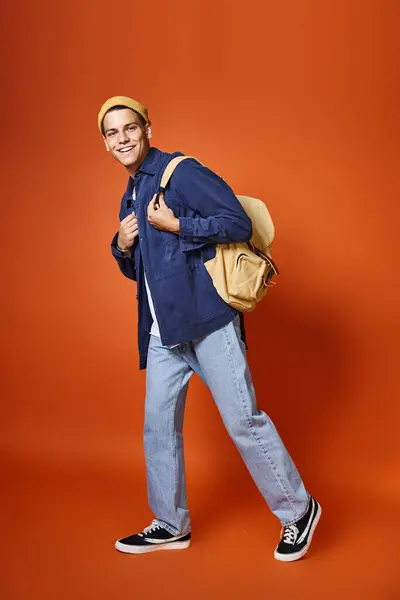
[{"x": 186, "y": 303}]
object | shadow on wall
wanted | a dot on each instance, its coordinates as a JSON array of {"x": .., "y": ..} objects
[{"x": 298, "y": 357}]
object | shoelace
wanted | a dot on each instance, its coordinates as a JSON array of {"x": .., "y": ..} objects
[
  {"x": 290, "y": 534},
  {"x": 150, "y": 528}
]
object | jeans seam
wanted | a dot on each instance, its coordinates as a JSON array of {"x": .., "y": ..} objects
[
  {"x": 172, "y": 429},
  {"x": 171, "y": 530},
  {"x": 265, "y": 453},
  {"x": 166, "y": 526},
  {"x": 293, "y": 521}
]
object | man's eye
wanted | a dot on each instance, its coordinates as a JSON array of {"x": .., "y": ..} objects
[
  {"x": 110, "y": 133},
  {"x": 131, "y": 128}
]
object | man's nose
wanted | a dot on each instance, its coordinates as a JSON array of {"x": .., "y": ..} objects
[{"x": 123, "y": 137}]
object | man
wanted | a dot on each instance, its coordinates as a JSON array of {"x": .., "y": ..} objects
[{"x": 185, "y": 327}]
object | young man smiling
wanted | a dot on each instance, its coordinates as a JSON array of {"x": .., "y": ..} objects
[{"x": 184, "y": 327}]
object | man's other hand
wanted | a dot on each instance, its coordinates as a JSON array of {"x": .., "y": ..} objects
[
  {"x": 128, "y": 231},
  {"x": 162, "y": 217}
]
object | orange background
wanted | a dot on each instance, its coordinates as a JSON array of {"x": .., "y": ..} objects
[{"x": 293, "y": 102}]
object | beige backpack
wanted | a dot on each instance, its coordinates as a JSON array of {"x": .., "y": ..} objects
[{"x": 241, "y": 272}]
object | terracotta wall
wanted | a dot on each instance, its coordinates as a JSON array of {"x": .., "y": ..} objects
[{"x": 292, "y": 102}]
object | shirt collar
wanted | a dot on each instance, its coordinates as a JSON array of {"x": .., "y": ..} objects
[{"x": 149, "y": 165}]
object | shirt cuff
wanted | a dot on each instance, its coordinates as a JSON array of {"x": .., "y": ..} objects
[
  {"x": 186, "y": 228},
  {"x": 118, "y": 253}
]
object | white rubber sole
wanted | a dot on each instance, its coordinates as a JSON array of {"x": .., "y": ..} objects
[
  {"x": 153, "y": 548},
  {"x": 298, "y": 555}
]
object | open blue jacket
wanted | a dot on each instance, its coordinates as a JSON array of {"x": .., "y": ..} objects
[{"x": 186, "y": 303}]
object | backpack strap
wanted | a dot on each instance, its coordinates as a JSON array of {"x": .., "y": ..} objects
[{"x": 169, "y": 169}]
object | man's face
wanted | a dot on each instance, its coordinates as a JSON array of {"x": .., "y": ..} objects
[{"x": 126, "y": 138}]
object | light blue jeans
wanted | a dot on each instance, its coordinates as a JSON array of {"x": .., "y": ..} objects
[{"x": 220, "y": 360}]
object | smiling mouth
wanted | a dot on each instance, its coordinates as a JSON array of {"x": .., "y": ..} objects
[{"x": 126, "y": 150}]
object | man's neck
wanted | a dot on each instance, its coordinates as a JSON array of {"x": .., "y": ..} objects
[{"x": 133, "y": 169}]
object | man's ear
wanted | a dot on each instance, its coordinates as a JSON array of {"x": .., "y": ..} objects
[
  {"x": 149, "y": 132},
  {"x": 105, "y": 141}
]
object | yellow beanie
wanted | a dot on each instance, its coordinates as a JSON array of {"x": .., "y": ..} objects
[{"x": 122, "y": 101}]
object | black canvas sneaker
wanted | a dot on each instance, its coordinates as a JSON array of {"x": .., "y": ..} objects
[
  {"x": 152, "y": 538},
  {"x": 296, "y": 538}
]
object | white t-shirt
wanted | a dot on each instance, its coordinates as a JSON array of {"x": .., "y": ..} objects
[{"x": 155, "y": 330}]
